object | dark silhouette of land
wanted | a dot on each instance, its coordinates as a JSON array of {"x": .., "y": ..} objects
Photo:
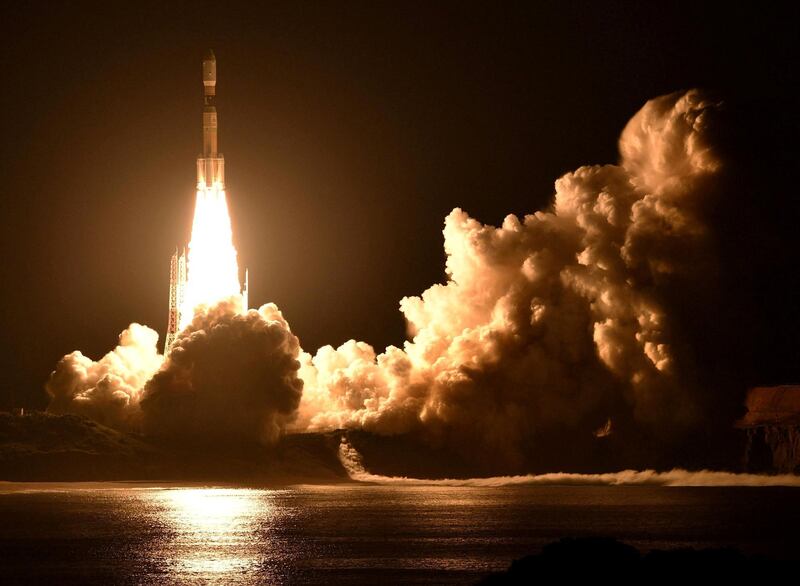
[
  {"x": 605, "y": 557},
  {"x": 45, "y": 447}
]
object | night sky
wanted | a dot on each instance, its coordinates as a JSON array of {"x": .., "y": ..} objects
[{"x": 349, "y": 132}]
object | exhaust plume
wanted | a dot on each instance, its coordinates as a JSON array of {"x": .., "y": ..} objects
[
  {"x": 230, "y": 377},
  {"x": 553, "y": 323},
  {"x": 582, "y": 323},
  {"x": 110, "y": 389}
]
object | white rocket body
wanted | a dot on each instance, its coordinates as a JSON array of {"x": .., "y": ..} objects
[{"x": 211, "y": 164}]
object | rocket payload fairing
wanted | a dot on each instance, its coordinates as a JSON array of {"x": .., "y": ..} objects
[{"x": 210, "y": 177}]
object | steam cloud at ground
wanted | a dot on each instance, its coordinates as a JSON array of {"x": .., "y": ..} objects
[
  {"x": 229, "y": 377},
  {"x": 550, "y": 322},
  {"x": 353, "y": 463},
  {"x": 551, "y": 325},
  {"x": 110, "y": 389}
]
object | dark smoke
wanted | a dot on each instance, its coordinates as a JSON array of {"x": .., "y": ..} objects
[{"x": 229, "y": 378}]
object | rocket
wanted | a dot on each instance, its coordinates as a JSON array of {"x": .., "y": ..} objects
[
  {"x": 210, "y": 180},
  {"x": 211, "y": 164}
]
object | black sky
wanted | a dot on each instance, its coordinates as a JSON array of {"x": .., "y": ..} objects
[{"x": 349, "y": 132}]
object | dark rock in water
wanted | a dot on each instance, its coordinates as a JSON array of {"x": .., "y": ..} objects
[{"x": 611, "y": 559}]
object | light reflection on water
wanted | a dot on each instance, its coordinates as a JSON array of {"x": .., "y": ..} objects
[{"x": 214, "y": 533}]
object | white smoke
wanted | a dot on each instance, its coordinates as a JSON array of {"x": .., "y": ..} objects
[
  {"x": 353, "y": 463},
  {"x": 554, "y": 321},
  {"x": 110, "y": 389},
  {"x": 229, "y": 376}
]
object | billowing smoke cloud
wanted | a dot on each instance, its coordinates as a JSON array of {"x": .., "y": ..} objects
[
  {"x": 551, "y": 323},
  {"x": 568, "y": 324},
  {"x": 110, "y": 389},
  {"x": 230, "y": 376}
]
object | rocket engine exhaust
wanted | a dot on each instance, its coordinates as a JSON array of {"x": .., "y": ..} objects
[{"x": 209, "y": 271}]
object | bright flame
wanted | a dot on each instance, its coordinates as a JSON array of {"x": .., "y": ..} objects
[{"x": 213, "y": 271}]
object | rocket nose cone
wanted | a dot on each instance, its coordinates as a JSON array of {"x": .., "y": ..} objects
[{"x": 209, "y": 56}]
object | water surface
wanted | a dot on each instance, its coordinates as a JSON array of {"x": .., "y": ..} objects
[{"x": 359, "y": 534}]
